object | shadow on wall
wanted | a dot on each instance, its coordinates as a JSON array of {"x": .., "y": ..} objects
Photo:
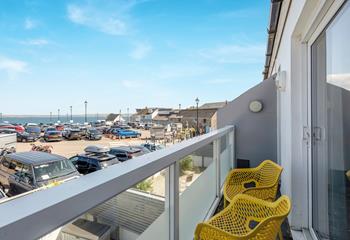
[{"x": 256, "y": 133}]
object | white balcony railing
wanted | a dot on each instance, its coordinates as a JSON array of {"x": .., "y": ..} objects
[{"x": 40, "y": 213}]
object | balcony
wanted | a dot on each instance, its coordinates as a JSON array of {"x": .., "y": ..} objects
[{"x": 105, "y": 203}]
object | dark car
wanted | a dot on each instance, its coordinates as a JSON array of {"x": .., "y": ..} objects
[
  {"x": 34, "y": 131},
  {"x": 2, "y": 195},
  {"x": 152, "y": 147},
  {"x": 25, "y": 137},
  {"x": 72, "y": 134},
  {"x": 93, "y": 134},
  {"x": 125, "y": 153},
  {"x": 93, "y": 160},
  {"x": 51, "y": 136},
  {"x": 25, "y": 171}
]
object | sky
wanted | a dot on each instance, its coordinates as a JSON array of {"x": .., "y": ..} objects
[{"x": 119, "y": 54}]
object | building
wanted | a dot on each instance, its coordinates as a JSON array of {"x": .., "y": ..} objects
[
  {"x": 113, "y": 118},
  {"x": 297, "y": 116},
  {"x": 205, "y": 113}
]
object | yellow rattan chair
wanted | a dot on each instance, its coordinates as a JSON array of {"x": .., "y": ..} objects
[
  {"x": 260, "y": 182},
  {"x": 245, "y": 218}
]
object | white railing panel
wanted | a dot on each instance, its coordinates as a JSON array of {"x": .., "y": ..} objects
[{"x": 46, "y": 211}]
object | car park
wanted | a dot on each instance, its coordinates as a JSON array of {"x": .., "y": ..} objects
[
  {"x": 93, "y": 134},
  {"x": 26, "y": 171},
  {"x": 95, "y": 158},
  {"x": 124, "y": 153},
  {"x": 50, "y": 136}
]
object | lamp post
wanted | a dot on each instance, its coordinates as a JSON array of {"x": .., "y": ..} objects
[
  {"x": 128, "y": 114},
  {"x": 50, "y": 117},
  {"x": 86, "y": 111},
  {"x": 1, "y": 117},
  {"x": 197, "y": 102},
  {"x": 58, "y": 114},
  {"x": 71, "y": 113}
]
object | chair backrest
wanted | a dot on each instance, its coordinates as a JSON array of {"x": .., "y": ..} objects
[
  {"x": 269, "y": 173},
  {"x": 267, "y": 216}
]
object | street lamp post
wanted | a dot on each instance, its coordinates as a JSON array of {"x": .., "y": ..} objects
[
  {"x": 1, "y": 117},
  {"x": 197, "y": 102},
  {"x": 50, "y": 117},
  {"x": 58, "y": 114},
  {"x": 128, "y": 114},
  {"x": 86, "y": 111},
  {"x": 71, "y": 113}
]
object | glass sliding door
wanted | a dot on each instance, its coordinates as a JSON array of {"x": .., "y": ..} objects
[{"x": 330, "y": 113}]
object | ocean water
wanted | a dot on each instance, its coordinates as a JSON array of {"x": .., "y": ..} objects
[{"x": 54, "y": 119}]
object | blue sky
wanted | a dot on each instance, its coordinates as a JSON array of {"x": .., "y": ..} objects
[{"x": 125, "y": 54}]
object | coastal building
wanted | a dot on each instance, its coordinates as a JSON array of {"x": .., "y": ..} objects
[
  {"x": 297, "y": 116},
  {"x": 205, "y": 113}
]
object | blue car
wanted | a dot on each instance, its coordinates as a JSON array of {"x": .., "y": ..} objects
[{"x": 126, "y": 133}]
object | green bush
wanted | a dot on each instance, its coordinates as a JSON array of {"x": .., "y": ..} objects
[
  {"x": 145, "y": 185},
  {"x": 186, "y": 164}
]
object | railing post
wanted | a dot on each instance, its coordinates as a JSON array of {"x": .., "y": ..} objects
[
  {"x": 231, "y": 138},
  {"x": 216, "y": 157},
  {"x": 172, "y": 199}
]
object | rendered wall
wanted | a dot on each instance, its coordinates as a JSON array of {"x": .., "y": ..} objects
[{"x": 256, "y": 133}]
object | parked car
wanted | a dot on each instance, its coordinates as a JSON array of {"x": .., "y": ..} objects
[
  {"x": 95, "y": 158},
  {"x": 35, "y": 131},
  {"x": 59, "y": 127},
  {"x": 2, "y": 195},
  {"x": 50, "y": 129},
  {"x": 21, "y": 137},
  {"x": 121, "y": 133},
  {"x": 152, "y": 147},
  {"x": 124, "y": 153},
  {"x": 50, "y": 136},
  {"x": 17, "y": 128},
  {"x": 72, "y": 134},
  {"x": 25, "y": 171},
  {"x": 93, "y": 134},
  {"x": 25, "y": 137}
]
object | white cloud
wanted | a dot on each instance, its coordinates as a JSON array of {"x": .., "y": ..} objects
[
  {"x": 30, "y": 24},
  {"x": 107, "y": 17},
  {"x": 235, "y": 53},
  {"x": 12, "y": 67},
  {"x": 140, "y": 51},
  {"x": 35, "y": 42}
]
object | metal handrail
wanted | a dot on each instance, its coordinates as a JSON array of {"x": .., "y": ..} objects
[{"x": 35, "y": 215}]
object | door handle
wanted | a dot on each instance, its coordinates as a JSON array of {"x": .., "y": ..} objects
[{"x": 317, "y": 133}]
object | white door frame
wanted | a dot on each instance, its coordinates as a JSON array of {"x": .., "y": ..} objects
[{"x": 310, "y": 38}]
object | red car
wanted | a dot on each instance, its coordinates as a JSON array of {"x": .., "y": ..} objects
[
  {"x": 18, "y": 128},
  {"x": 59, "y": 127}
]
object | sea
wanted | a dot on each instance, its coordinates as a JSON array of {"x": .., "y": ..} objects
[{"x": 53, "y": 119}]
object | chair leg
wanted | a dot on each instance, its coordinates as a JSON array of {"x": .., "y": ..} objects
[{"x": 280, "y": 235}]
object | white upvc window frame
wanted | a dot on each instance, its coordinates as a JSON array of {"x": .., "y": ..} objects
[{"x": 309, "y": 38}]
